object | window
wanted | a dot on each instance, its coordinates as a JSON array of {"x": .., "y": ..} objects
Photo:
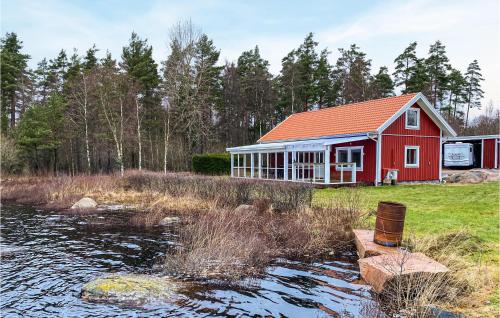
[
  {"x": 350, "y": 154},
  {"x": 412, "y": 118},
  {"x": 412, "y": 154}
]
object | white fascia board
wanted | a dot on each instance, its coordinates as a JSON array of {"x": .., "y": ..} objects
[
  {"x": 300, "y": 145},
  {"x": 429, "y": 110},
  {"x": 481, "y": 137},
  {"x": 257, "y": 148},
  {"x": 319, "y": 137},
  {"x": 344, "y": 140}
]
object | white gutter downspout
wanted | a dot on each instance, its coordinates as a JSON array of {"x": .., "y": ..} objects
[
  {"x": 378, "y": 160},
  {"x": 496, "y": 153},
  {"x": 440, "y": 155},
  {"x": 482, "y": 153}
]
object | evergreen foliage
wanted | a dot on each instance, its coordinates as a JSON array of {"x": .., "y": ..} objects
[
  {"x": 212, "y": 163},
  {"x": 90, "y": 113}
]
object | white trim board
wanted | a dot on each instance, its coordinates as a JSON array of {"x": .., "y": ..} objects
[
  {"x": 416, "y": 165},
  {"x": 349, "y": 155},
  {"x": 417, "y": 126}
]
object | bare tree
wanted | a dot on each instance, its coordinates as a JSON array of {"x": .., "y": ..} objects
[
  {"x": 116, "y": 94},
  {"x": 139, "y": 121},
  {"x": 80, "y": 104}
]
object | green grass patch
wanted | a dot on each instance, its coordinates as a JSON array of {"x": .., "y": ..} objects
[{"x": 434, "y": 209}]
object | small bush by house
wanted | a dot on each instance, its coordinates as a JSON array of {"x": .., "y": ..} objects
[{"x": 212, "y": 163}]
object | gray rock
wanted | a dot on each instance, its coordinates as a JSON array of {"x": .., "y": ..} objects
[
  {"x": 245, "y": 208},
  {"x": 169, "y": 220},
  {"x": 130, "y": 289},
  {"x": 472, "y": 176},
  {"x": 85, "y": 203}
]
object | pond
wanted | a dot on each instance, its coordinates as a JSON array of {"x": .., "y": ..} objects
[{"x": 48, "y": 256}]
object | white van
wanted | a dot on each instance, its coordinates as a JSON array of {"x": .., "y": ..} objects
[{"x": 458, "y": 155}]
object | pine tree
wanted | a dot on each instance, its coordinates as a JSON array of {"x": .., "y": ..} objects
[
  {"x": 456, "y": 91},
  {"x": 13, "y": 74},
  {"x": 42, "y": 76},
  {"x": 405, "y": 67},
  {"x": 90, "y": 59},
  {"x": 57, "y": 71},
  {"x": 208, "y": 88},
  {"x": 138, "y": 62},
  {"x": 39, "y": 131},
  {"x": 74, "y": 66},
  {"x": 325, "y": 95},
  {"x": 473, "y": 91},
  {"x": 437, "y": 69},
  {"x": 351, "y": 75},
  {"x": 382, "y": 84},
  {"x": 307, "y": 60},
  {"x": 419, "y": 81},
  {"x": 256, "y": 90},
  {"x": 288, "y": 83}
]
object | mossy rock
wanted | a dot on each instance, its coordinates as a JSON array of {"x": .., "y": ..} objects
[{"x": 130, "y": 289}]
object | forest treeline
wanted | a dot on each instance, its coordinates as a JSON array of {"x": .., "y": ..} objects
[{"x": 77, "y": 113}]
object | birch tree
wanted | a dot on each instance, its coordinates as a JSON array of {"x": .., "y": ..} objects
[{"x": 116, "y": 95}]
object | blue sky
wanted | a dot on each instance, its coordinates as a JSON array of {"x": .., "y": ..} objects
[{"x": 469, "y": 29}]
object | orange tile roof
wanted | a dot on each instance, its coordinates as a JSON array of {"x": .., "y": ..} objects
[{"x": 345, "y": 119}]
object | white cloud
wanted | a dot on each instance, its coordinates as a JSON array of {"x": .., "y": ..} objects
[{"x": 469, "y": 29}]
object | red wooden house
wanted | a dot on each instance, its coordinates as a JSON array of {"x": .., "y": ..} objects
[{"x": 395, "y": 137}]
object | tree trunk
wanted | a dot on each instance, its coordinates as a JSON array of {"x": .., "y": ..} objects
[
  {"x": 166, "y": 140},
  {"x": 139, "y": 132},
  {"x": 13, "y": 102},
  {"x": 85, "y": 119}
]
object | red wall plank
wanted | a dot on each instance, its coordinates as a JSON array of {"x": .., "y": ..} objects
[
  {"x": 393, "y": 156},
  {"x": 427, "y": 126},
  {"x": 396, "y": 137},
  {"x": 489, "y": 153},
  {"x": 368, "y": 173}
]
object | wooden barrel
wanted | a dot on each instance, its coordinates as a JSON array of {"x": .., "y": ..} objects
[{"x": 389, "y": 224}]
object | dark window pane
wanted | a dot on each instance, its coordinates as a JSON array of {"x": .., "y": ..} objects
[
  {"x": 356, "y": 157},
  {"x": 342, "y": 156},
  {"x": 411, "y": 118},
  {"x": 411, "y": 156}
]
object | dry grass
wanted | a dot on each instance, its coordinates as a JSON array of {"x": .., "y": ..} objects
[
  {"x": 226, "y": 245},
  {"x": 57, "y": 192},
  {"x": 418, "y": 295}
]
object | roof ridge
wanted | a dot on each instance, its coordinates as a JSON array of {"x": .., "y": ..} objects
[{"x": 354, "y": 103}]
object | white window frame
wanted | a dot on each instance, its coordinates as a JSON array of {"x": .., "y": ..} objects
[
  {"x": 349, "y": 157},
  {"x": 416, "y": 165},
  {"x": 417, "y": 110}
]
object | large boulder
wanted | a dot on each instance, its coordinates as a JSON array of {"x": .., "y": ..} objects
[
  {"x": 246, "y": 209},
  {"x": 472, "y": 176},
  {"x": 379, "y": 271},
  {"x": 130, "y": 289},
  {"x": 367, "y": 247},
  {"x": 85, "y": 203}
]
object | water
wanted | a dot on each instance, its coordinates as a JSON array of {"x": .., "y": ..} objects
[{"x": 49, "y": 256}]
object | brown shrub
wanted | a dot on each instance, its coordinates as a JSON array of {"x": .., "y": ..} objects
[
  {"x": 223, "y": 191},
  {"x": 220, "y": 244},
  {"x": 57, "y": 192},
  {"x": 227, "y": 245}
]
